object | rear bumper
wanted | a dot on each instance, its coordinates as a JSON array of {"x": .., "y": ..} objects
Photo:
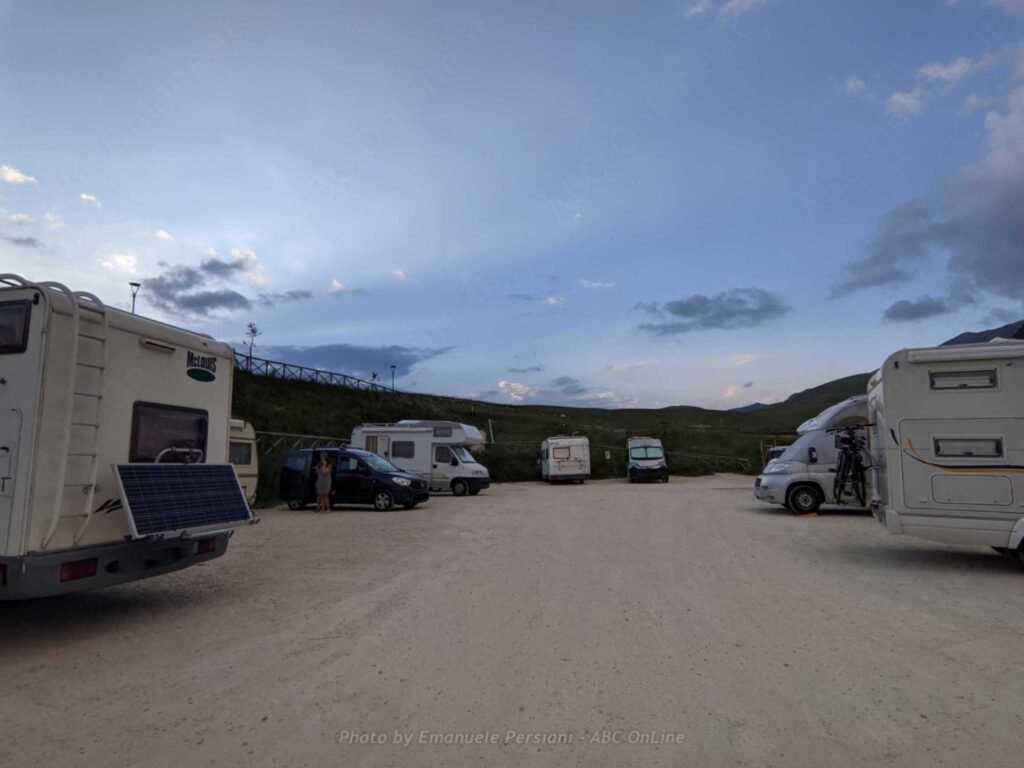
[
  {"x": 567, "y": 478},
  {"x": 644, "y": 473},
  {"x": 39, "y": 575}
]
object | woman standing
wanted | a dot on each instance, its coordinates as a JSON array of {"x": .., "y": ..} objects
[{"x": 324, "y": 481}]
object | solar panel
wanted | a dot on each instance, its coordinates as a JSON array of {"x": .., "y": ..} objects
[{"x": 181, "y": 498}]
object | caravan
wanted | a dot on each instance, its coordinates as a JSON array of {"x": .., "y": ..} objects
[
  {"x": 803, "y": 477},
  {"x": 437, "y": 450},
  {"x": 243, "y": 453},
  {"x": 101, "y": 410},
  {"x": 565, "y": 459},
  {"x": 947, "y": 444}
]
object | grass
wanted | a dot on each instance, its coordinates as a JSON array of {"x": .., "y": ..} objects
[{"x": 689, "y": 434}]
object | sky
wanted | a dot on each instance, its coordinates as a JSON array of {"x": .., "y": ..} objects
[{"x": 705, "y": 202}]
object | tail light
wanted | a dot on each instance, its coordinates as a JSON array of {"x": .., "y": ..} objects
[
  {"x": 206, "y": 546},
  {"x": 78, "y": 569}
]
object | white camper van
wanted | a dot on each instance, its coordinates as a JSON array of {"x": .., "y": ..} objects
[
  {"x": 947, "y": 444},
  {"x": 803, "y": 477},
  {"x": 243, "y": 454},
  {"x": 645, "y": 459},
  {"x": 113, "y": 444},
  {"x": 565, "y": 459},
  {"x": 436, "y": 450}
]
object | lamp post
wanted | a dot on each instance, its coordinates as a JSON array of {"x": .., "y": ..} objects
[
  {"x": 392, "y": 378},
  {"x": 135, "y": 292}
]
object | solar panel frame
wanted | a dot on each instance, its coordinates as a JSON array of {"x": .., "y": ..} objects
[{"x": 161, "y": 499}]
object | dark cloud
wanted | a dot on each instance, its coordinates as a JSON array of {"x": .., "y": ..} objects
[
  {"x": 921, "y": 309},
  {"x": 748, "y": 385},
  {"x": 24, "y": 242},
  {"x": 735, "y": 308},
  {"x": 354, "y": 360},
  {"x": 268, "y": 300},
  {"x": 527, "y": 369},
  {"x": 1001, "y": 315},
  {"x": 186, "y": 290},
  {"x": 568, "y": 385}
]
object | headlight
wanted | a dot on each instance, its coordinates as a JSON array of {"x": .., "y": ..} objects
[
  {"x": 479, "y": 473},
  {"x": 401, "y": 481},
  {"x": 776, "y": 467}
]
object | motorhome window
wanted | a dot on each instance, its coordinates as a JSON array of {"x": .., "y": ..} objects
[
  {"x": 464, "y": 454},
  {"x": 442, "y": 454},
  {"x": 240, "y": 453},
  {"x": 168, "y": 433},
  {"x": 14, "y": 316},
  {"x": 442, "y": 431},
  {"x": 963, "y": 379},
  {"x": 560, "y": 452},
  {"x": 985, "y": 447},
  {"x": 646, "y": 452},
  {"x": 403, "y": 449}
]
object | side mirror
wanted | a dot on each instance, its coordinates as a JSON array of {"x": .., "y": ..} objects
[
  {"x": 812, "y": 455},
  {"x": 454, "y": 462}
]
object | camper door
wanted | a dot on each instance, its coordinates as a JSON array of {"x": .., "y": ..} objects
[
  {"x": 444, "y": 468},
  {"x": 379, "y": 444}
]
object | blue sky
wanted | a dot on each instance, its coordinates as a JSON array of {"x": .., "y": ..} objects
[{"x": 650, "y": 204}]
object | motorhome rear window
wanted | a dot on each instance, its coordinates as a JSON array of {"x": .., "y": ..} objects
[
  {"x": 240, "y": 453},
  {"x": 168, "y": 434},
  {"x": 560, "y": 453},
  {"x": 964, "y": 447},
  {"x": 963, "y": 379},
  {"x": 403, "y": 449},
  {"x": 14, "y": 317},
  {"x": 442, "y": 431}
]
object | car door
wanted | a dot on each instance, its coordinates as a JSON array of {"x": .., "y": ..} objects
[
  {"x": 442, "y": 470},
  {"x": 347, "y": 480}
]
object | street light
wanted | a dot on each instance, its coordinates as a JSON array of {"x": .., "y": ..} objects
[
  {"x": 135, "y": 292},
  {"x": 392, "y": 378}
]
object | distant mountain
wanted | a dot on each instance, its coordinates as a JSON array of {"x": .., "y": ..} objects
[
  {"x": 752, "y": 408},
  {"x": 1008, "y": 331}
]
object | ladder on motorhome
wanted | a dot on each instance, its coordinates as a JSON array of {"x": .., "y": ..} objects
[{"x": 79, "y": 462}]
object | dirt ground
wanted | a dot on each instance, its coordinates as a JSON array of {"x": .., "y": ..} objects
[{"x": 649, "y": 625}]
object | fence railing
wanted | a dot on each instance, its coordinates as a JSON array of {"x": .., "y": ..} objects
[
  {"x": 269, "y": 442},
  {"x": 259, "y": 366}
]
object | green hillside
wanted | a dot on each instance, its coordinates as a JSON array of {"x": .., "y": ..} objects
[{"x": 690, "y": 435}]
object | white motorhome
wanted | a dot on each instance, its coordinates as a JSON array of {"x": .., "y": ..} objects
[
  {"x": 436, "y": 450},
  {"x": 243, "y": 454},
  {"x": 91, "y": 400},
  {"x": 803, "y": 477},
  {"x": 947, "y": 444},
  {"x": 565, "y": 459},
  {"x": 645, "y": 459}
]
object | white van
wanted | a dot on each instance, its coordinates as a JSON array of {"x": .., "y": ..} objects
[
  {"x": 947, "y": 444},
  {"x": 645, "y": 460},
  {"x": 803, "y": 477},
  {"x": 243, "y": 454},
  {"x": 436, "y": 450},
  {"x": 101, "y": 412},
  {"x": 565, "y": 459}
]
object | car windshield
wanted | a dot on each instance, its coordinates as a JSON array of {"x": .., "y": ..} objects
[
  {"x": 798, "y": 450},
  {"x": 646, "y": 452},
  {"x": 377, "y": 462},
  {"x": 464, "y": 454}
]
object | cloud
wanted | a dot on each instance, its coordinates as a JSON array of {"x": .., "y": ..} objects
[
  {"x": 551, "y": 301},
  {"x": 731, "y": 392},
  {"x": 956, "y": 71},
  {"x": 85, "y": 197},
  {"x": 163, "y": 234},
  {"x": 1002, "y": 316},
  {"x": 564, "y": 390},
  {"x": 854, "y": 86},
  {"x": 974, "y": 220},
  {"x": 905, "y": 104},
  {"x": 735, "y": 308},
  {"x": 973, "y": 102},
  {"x": 126, "y": 262},
  {"x": 517, "y": 391},
  {"x": 12, "y": 175},
  {"x": 353, "y": 359},
  {"x": 24, "y": 242},
  {"x": 1010, "y": 6},
  {"x": 20, "y": 218},
  {"x": 527, "y": 369},
  {"x": 267, "y": 300},
  {"x": 748, "y": 385},
  {"x": 244, "y": 264},
  {"x": 340, "y": 289},
  {"x": 399, "y": 274},
  {"x": 921, "y": 309},
  {"x": 567, "y": 385},
  {"x": 734, "y": 8},
  {"x": 53, "y": 221},
  {"x": 745, "y": 359},
  {"x": 626, "y": 368},
  {"x": 554, "y": 301},
  {"x": 698, "y": 8},
  {"x": 595, "y": 284}
]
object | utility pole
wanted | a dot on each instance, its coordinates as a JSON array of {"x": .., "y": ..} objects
[
  {"x": 392, "y": 378},
  {"x": 135, "y": 292}
]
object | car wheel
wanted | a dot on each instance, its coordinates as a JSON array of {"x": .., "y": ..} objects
[
  {"x": 459, "y": 487},
  {"x": 383, "y": 501},
  {"x": 474, "y": 492},
  {"x": 805, "y": 499},
  {"x": 296, "y": 505}
]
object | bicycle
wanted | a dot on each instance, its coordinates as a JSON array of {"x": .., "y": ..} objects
[{"x": 851, "y": 472}]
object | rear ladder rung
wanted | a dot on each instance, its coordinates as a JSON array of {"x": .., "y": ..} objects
[
  {"x": 84, "y": 424},
  {"x": 91, "y": 365}
]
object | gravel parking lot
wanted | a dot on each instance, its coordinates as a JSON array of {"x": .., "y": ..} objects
[{"x": 647, "y": 625}]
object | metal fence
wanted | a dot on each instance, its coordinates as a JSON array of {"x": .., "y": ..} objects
[
  {"x": 259, "y": 366},
  {"x": 269, "y": 442}
]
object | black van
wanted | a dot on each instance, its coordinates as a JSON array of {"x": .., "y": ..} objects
[{"x": 360, "y": 477}]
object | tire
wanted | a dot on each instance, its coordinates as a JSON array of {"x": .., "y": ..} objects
[
  {"x": 474, "y": 492},
  {"x": 665, "y": 479},
  {"x": 804, "y": 499},
  {"x": 296, "y": 505},
  {"x": 1006, "y": 551},
  {"x": 383, "y": 501},
  {"x": 460, "y": 487}
]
